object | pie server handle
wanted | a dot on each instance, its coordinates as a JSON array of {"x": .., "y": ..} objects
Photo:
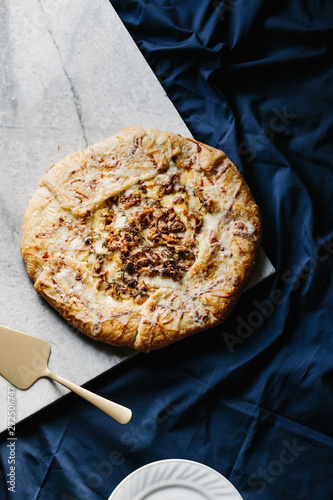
[{"x": 118, "y": 412}]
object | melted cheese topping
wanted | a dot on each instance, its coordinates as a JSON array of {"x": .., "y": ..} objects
[{"x": 130, "y": 247}]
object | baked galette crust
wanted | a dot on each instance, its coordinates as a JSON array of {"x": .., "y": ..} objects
[{"x": 142, "y": 239}]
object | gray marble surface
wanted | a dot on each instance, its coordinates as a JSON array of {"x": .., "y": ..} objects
[{"x": 70, "y": 75}]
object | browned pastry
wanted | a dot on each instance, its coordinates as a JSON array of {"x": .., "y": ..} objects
[{"x": 142, "y": 239}]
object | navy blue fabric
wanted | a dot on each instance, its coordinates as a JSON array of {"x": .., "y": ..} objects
[{"x": 251, "y": 398}]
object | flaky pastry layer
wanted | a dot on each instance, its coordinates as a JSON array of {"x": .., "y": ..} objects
[{"x": 142, "y": 239}]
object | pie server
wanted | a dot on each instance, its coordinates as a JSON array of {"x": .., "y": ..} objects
[{"x": 24, "y": 359}]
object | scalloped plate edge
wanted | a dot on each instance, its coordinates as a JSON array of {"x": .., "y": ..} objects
[{"x": 163, "y": 472}]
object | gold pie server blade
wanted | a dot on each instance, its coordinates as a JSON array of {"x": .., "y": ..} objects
[{"x": 24, "y": 359}]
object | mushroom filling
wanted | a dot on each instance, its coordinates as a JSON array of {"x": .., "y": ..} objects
[{"x": 146, "y": 237}]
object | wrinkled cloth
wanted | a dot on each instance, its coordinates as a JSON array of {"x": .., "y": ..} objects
[{"x": 251, "y": 398}]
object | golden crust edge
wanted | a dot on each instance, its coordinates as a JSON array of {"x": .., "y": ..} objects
[{"x": 34, "y": 265}]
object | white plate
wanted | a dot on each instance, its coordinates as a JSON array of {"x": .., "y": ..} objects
[{"x": 175, "y": 479}]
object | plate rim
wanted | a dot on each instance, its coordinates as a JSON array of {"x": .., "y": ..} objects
[{"x": 171, "y": 460}]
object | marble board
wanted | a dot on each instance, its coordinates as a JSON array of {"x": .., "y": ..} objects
[{"x": 71, "y": 76}]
